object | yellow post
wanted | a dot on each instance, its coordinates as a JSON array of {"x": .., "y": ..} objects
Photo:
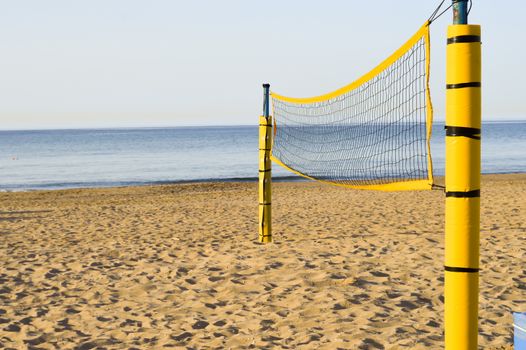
[
  {"x": 463, "y": 130},
  {"x": 265, "y": 171}
]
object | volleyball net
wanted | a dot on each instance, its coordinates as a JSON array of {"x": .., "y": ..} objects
[{"x": 371, "y": 134}]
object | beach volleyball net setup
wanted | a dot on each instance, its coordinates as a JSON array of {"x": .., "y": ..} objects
[
  {"x": 374, "y": 134},
  {"x": 371, "y": 134}
]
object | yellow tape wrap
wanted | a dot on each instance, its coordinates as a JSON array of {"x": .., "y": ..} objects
[
  {"x": 462, "y": 225},
  {"x": 462, "y": 175},
  {"x": 463, "y": 104},
  {"x": 461, "y": 296},
  {"x": 467, "y": 103},
  {"x": 265, "y": 180},
  {"x": 463, "y": 164}
]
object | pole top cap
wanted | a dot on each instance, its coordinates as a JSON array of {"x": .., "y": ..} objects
[{"x": 266, "y": 85}]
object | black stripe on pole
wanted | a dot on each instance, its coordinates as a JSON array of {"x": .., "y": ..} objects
[
  {"x": 461, "y": 269},
  {"x": 265, "y": 124},
  {"x": 265, "y": 171},
  {"x": 463, "y": 85},
  {"x": 265, "y": 203},
  {"x": 473, "y": 133},
  {"x": 264, "y": 149},
  {"x": 463, "y": 39},
  {"x": 461, "y": 194}
]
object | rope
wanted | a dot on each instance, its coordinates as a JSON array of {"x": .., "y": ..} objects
[{"x": 434, "y": 15}]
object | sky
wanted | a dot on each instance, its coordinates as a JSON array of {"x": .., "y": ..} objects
[{"x": 130, "y": 63}]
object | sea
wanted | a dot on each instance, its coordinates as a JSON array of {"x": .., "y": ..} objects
[{"x": 83, "y": 158}]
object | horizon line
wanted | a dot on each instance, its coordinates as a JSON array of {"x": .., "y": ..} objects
[{"x": 200, "y": 126}]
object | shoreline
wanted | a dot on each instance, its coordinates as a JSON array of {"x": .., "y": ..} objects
[
  {"x": 126, "y": 184},
  {"x": 131, "y": 184}
]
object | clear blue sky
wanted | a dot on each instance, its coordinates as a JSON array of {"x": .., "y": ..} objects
[{"x": 99, "y": 63}]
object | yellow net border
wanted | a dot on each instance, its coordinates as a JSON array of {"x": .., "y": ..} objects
[{"x": 423, "y": 32}]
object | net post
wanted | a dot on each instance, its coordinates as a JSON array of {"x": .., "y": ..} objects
[
  {"x": 462, "y": 217},
  {"x": 265, "y": 170},
  {"x": 460, "y": 11}
]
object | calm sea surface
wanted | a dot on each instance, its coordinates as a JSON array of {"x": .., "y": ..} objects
[{"x": 54, "y": 159}]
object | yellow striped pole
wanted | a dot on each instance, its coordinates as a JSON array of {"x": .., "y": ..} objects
[
  {"x": 463, "y": 131},
  {"x": 265, "y": 170}
]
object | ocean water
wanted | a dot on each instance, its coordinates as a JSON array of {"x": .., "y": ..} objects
[{"x": 55, "y": 159}]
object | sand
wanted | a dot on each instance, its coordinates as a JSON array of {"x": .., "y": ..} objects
[{"x": 179, "y": 267}]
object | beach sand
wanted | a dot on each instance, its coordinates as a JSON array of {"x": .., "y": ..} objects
[{"x": 179, "y": 266}]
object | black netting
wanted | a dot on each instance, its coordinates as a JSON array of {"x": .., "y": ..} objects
[{"x": 373, "y": 134}]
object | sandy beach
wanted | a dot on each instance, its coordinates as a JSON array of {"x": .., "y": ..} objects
[{"x": 178, "y": 266}]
